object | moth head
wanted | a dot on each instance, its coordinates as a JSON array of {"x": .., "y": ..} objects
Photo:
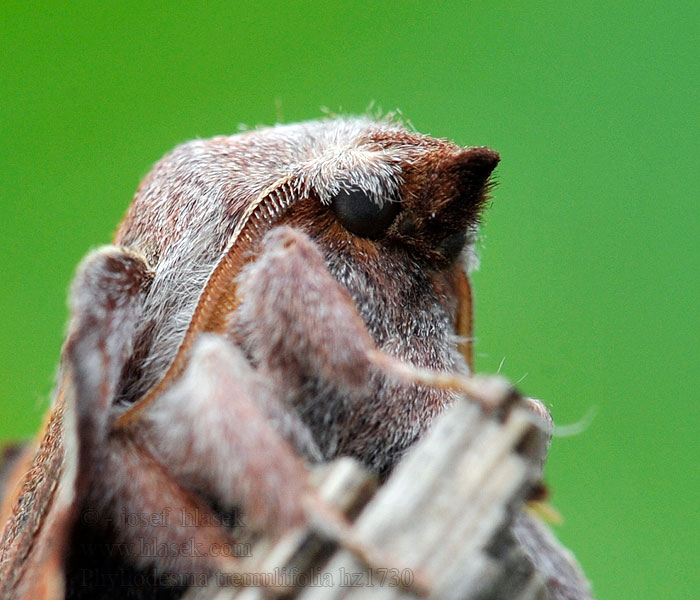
[
  {"x": 387, "y": 207},
  {"x": 442, "y": 201},
  {"x": 359, "y": 181},
  {"x": 387, "y": 187}
]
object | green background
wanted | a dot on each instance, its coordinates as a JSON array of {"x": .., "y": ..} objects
[{"x": 589, "y": 276}]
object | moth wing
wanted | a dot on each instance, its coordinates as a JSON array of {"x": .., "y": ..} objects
[
  {"x": 464, "y": 322},
  {"x": 40, "y": 507}
]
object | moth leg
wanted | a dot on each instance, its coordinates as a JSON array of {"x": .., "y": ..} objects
[
  {"x": 556, "y": 565},
  {"x": 106, "y": 300},
  {"x": 36, "y": 537},
  {"x": 143, "y": 517},
  {"x": 222, "y": 431},
  {"x": 297, "y": 321},
  {"x": 120, "y": 487}
]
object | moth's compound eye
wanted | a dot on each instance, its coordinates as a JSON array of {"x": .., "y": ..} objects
[{"x": 360, "y": 215}]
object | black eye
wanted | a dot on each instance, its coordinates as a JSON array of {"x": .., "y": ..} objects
[{"x": 360, "y": 215}]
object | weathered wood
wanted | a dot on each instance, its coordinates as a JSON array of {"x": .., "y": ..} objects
[
  {"x": 443, "y": 507},
  {"x": 441, "y": 525}
]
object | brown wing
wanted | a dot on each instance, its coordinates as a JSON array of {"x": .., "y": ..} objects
[
  {"x": 218, "y": 298},
  {"x": 40, "y": 507},
  {"x": 464, "y": 325},
  {"x": 15, "y": 458}
]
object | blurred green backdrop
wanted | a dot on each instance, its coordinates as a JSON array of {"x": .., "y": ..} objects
[{"x": 589, "y": 278}]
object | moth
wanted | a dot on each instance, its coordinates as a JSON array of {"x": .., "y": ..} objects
[{"x": 271, "y": 300}]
